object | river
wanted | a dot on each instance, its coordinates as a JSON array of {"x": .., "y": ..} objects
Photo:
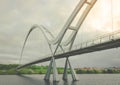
[{"x": 84, "y": 79}]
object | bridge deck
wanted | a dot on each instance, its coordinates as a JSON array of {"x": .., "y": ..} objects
[{"x": 92, "y": 48}]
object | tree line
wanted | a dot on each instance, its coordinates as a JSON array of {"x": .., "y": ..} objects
[{"x": 7, "y": 69}]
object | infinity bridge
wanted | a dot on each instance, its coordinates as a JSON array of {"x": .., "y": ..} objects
[{"x": 108, "y": 41}]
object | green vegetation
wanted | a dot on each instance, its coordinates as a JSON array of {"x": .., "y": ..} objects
[
  {"x": 98, "y": 71},
  {"x": 34, "y": 69}
]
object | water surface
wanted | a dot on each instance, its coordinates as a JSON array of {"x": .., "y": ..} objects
[{"x": 84, "y": 79}]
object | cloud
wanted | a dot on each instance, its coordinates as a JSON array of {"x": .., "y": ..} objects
[{"x": 17, "y": 16}]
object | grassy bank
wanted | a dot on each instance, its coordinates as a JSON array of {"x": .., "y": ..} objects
[{"x": 9, "y": 69}]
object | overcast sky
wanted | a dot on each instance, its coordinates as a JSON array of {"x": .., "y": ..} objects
[{"x": 17, "y": 16}]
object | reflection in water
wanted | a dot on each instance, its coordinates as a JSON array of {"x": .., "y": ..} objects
[
  {"x": 66, "y": 83},
  {"x": 55, "y": 83},
  {"x": 70, "y": 83},
  {"x": 34, "y": 81},
  {"x": 94, "y": 79},
  {"x": 74, "y": 83},
  {"x": 48, "y": 83},
  {"x": 31, "y": 80}
]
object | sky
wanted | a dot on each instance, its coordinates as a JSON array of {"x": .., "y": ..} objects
[{"x": 17, "y": 17}]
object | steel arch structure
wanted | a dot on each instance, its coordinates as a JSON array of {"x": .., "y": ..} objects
[{"x": 59, "y": 39}]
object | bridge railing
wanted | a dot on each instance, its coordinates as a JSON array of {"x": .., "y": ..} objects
[{"x": 98, "y": 40}]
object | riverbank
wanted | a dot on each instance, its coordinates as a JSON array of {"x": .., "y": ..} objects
[{"x": 9, "y": 69}]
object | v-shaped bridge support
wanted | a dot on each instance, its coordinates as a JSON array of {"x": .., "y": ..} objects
[
  {"x": 59, "y": 39},
  {"x": 71, "y": 39},
  {"x": 65, "y": 74},
  {"x": 52, "y": 66}
]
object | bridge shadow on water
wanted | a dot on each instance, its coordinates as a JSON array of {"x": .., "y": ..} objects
[
  {"x": 36, "y": 81},
  {"x": 31, "y": 80}
]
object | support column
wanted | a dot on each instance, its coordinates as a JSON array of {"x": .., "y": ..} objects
[
  {"x": 74, "y": 77},
  {"x": 73, "y": 73},
  {"x": 55, "y": 73},
  {"x": 47, "y": 75},
  {"x": 65, "y": 70}
]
